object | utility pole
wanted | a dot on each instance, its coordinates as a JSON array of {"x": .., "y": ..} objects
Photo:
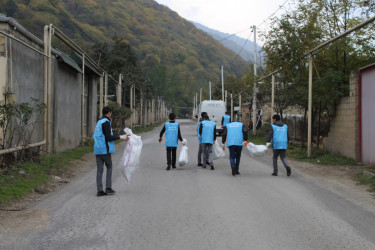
[
  {"x": 131, "y": 106},
  {"x": 231, "y": 107},
  {"x": 200, "y": 97},
  {"x": 194, "y": 106},
  {"x": 119, "y": 90},
  {"x": 254, "y": 108},
  {"x": 240, "y": 107},
  {"x": 273, "y": 96},
  {"x": 209, "y": 86},
  {"x": 196, "y": 102},
  {"x": 222, "y": 83},
  {"x": 106, "y": 89},
  {"x": 310, "y": 106}
]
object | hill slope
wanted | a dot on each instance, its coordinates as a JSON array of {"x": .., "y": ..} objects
[
  {"x": 244, "y": 47},
  {"x": 158, "y": 35}
]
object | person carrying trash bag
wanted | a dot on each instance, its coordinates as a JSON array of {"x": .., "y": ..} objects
[
  {"x": 236, "y": 133},
  {"x": 225, "y": 120},
  {"x": 104, "y": 146},
  {"x": 279, "y": 136},
  {"x": 200, "y": 141},
  {"x": 207, "y": 134},
  {"x": 172, "y": 135}
]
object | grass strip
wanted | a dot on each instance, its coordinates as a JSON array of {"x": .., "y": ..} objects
[
  {"x": 20, "y": 178},
  {"x": 366, "y": 179},
  {"x": 299, "y": 153}
]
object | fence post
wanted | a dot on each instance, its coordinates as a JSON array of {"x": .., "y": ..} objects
[{"x": 310, "y": 106}]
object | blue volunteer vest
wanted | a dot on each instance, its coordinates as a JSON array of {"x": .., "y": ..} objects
[
  {"x": 226, "y": 120},
  {"x": 199, "y": 137},
  {"x": 234, "y": 134},
  {"x": 171, "y": 134},
  {"x": 100, "y": 147},
  {"x": 280, "y": 137},
  {"x": 208, "y": 132}
]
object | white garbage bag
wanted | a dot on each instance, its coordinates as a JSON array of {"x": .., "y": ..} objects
[
  {"x": 256, "y": 150},
  {"x": 132, "y": 154},
  {"x": 183, "y": 160},
  {"x": 217, "y": 150}
]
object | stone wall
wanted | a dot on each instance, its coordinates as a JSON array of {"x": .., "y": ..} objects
[{"x": 344, "y": 132}]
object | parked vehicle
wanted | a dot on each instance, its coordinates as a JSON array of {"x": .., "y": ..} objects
[{"x": 215, "y": 110}]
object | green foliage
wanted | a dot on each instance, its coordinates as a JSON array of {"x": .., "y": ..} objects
[
  {"x": 119, "y": 115},
  {"x": 10, "y": 8},
  {"x": 298, "y": 31},
  {"x": 319, "y": 156},
  {"x": 17, "y": 123},
  {"x": 157, "y": 36},
  {"x": 366, "y": 179}
]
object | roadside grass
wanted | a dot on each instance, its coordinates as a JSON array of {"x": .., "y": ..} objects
[
  {"x": 20, "y": 178},
  {"x": 367, "y": 178},
  {"x": 299, "y": 153}
]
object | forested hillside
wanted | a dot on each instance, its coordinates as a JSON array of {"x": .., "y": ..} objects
[{"x": 175, "y": 56}]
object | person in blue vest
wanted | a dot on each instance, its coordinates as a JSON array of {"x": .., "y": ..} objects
[
  {"x": 172, "y": 135},
  {"x": 104, "y": 146},
  {"x": 279, "y": 136},
  {"x": 225, "y": 120},
  {"x": 200, "y": 141},
  {"x": 236, "y": 133},
  {"x": 207, "y": 135}
]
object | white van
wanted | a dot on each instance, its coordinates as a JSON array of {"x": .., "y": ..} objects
[{"x": 215, "y": 110}]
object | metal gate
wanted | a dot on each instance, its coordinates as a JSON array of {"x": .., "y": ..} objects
[{"x": 367, "y": 114}]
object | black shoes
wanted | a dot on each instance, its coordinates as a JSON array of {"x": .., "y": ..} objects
[
  {"x": 233, "y": 172},
  {"x": 274, "y": 174},
  {"x": 173, "y": 166},
  {"x": 101, "y": 193},
  {"x": 110, "y": 191},
  {"x": 288, "y": 171},
  {"x": 212, "y": 167},
  {"x": 168, "y": 167},
  {"x": 237, "y": 173},
  {"x": 200, "y": 165}
]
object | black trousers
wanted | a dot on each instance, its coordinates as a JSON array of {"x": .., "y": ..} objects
[
  {"x": 100, "y": 161},
  {"x": 171, "y": 156}
]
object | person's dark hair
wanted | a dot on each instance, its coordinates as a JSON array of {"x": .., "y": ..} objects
[
  {"x": 203, "y": 113},
  {"x": 276, "y": 117},
  {"x": 106, "y": 110},
  {"x": 205, "y": 117},
  {"x": 172, "y": 116},
  {"x": 227, "y": 113}
]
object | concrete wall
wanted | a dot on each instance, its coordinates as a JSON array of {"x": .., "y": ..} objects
[
  {"x": 24, "y": 78},
  {"x": 26, "y": 82},
  {"x": 344, "y": 133},
  {"x": 66, "y": 112}
]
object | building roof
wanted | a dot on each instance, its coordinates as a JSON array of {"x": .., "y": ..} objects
[{"x": 61, "y": 57}]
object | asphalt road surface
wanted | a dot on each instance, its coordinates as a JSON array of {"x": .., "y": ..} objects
[{"x": 194, "y": 208}]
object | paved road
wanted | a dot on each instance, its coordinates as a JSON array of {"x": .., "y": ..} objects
[{"x": 195, "y": 208}]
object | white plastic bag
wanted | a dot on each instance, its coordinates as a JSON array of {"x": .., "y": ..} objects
[
  {"x": 183, "y": 160},
  {"x": 217, "y": 150},
  {"x": 256, "y": 150},
  {"x": 131, "y": 156}
]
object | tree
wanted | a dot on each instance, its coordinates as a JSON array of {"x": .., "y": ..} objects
[{"x": 10, "y": 8}]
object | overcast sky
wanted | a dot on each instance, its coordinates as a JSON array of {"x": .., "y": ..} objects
[{"x": 229, "y": 16}]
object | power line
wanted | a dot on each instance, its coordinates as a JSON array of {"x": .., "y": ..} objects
[
  {"x": 64, "y": 14},
  {"x": 232, "y": 35},
  {"x": 257, "y": 26},
  {"x": 243, "y": 46},
  {"x": 273, "y": 13}
]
